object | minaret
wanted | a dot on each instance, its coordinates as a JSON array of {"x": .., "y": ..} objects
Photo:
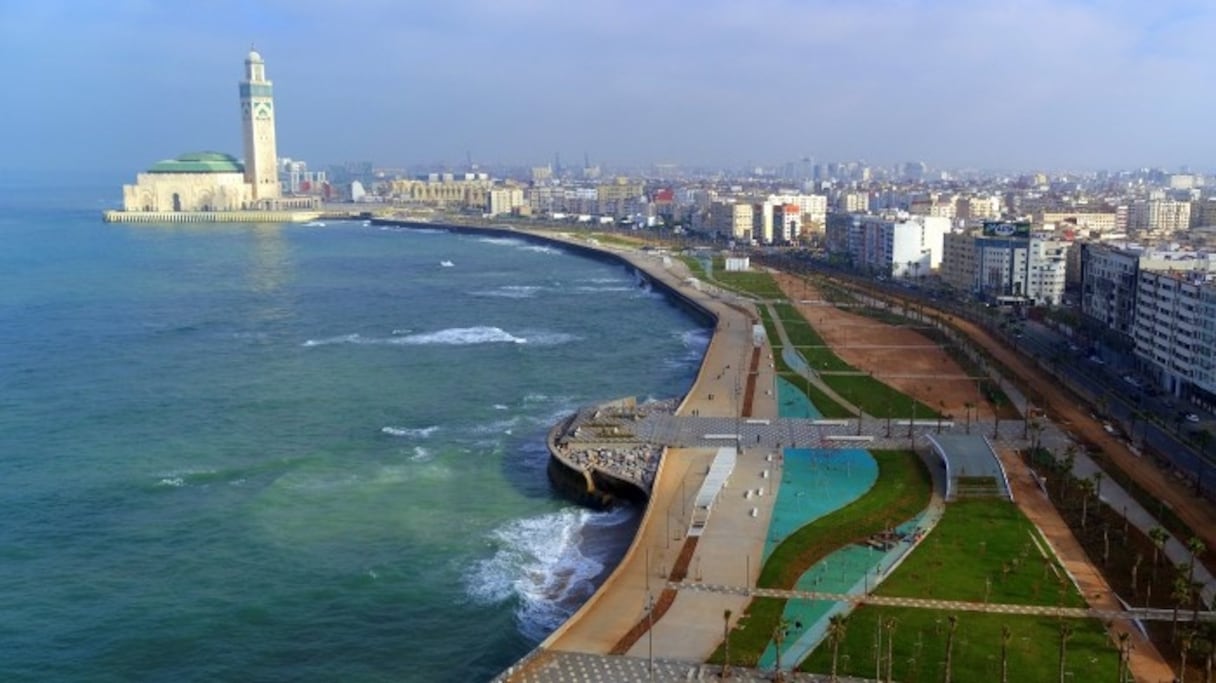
[{"x": 257, "y": 124}]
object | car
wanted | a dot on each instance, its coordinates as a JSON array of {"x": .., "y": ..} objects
[{"x": 1192, "y": 417}]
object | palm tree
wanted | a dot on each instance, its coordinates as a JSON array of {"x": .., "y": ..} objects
[
  {"x": 1180, "y": 593},
  {"x": 889, "y": 625},
  {"x": 1005, "y": 635},
  {"x": 1136, "y": 574},
  {"x": 950, "y": 645},
  {"x": 1065, "y": 635},
  {"x": 778, "y": 638},
  {"x": 1123, "y": 638},
  {"x": 1066, "y": 465},
  {"x": 1158, "y": 536},
  {"x": 1188, "y": 639},
  {"x": 838, "y": 626},
  {"x": 1087, "y": 489},
  {"x": 1195, "y": 545},
  {"x": 726, "y": 644}
]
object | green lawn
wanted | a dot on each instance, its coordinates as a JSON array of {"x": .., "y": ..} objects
[
  {"x": 872, "y": 395},
  {"x": 827, "y": 406},
  {"x": 755, "y": 283},
  {"x": 695, "y": 266},
  {"x": 975, "y": 542},
  {"x": 919, "y": 648},
  {"x": 900, "y": 492}
]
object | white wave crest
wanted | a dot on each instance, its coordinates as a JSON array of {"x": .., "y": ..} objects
[
  {"x": 456, "y": 336},
  {"x": 421, "y": 432},
  {"x": 538, "y": 561},
  {"x": 511, "y": 292},
  {"x": 602, "y": 288},
  {"x": 462, "y": 336},
  {"x": 342, "y": 339}
]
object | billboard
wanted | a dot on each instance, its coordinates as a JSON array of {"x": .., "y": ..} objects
[{"x": 1007, "y": 229}]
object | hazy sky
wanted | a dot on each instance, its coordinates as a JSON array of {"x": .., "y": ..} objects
[{"x": 1050, "y": 84}]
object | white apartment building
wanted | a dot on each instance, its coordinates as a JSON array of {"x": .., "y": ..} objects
[
  {"x": 785, "y": 224},
  {"x": 814, "y": 207},
  {"x": 897, "y": 244},
  {"x": 1110, "y": 275},
  {"x": 1175, "y": 330},
  {"x": 1020, "y": 264}
]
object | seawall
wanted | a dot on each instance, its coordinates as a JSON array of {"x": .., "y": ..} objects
[
  {"x": 209, "y": 216},
  {"x": 616, "y": 595}
]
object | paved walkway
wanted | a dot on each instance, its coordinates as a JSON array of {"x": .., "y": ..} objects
[
  {"x": 862, "y": 598},
  {"x": 571, "y": 667}
]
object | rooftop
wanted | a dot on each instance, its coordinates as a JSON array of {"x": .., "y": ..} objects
[{"x": 199, "y": 162}]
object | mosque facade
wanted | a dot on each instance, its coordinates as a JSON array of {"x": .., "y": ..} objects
[{"x": 214, "y": 182}]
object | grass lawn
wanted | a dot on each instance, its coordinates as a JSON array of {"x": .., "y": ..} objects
[
  {"x": 824, "y": 403},
  {"x": 862, "y": 390},
  {"x": 919, "y": 647},
  {"x": 975, "y": 542},
  {"x": 758, "y": 284},
  {"x": 695, "y": 266},
  {"x": 901, "y": 491}
]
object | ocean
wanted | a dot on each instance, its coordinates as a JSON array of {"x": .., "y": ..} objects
[{"x": 287, "y": 453}]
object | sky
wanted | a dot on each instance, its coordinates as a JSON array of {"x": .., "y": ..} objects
[{"x": 1030, "y": 85}]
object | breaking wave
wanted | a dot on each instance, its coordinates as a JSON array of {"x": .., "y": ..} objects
[
  {"x": 456, "y": 336},
  {"x": 422, "y": 432},
  {"x": 540, "y": 562}
]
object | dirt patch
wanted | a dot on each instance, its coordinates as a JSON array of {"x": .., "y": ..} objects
[{"x": 899, "y": 356}]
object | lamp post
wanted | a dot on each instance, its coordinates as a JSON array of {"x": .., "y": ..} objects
[{"x": 650, "y": 634}]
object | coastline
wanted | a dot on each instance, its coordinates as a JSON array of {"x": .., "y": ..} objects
[{"x": 603, "y": 621}]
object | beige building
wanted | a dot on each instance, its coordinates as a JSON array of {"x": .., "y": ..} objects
[
  {"x": 736, "y": 220},
  {"x": 505, "y": 200},
  {"x": 1094, "y": 221},
  {"x": 444, "y": 191}
]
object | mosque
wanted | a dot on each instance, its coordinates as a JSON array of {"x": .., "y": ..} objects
[{"x": 212, "y": 186}]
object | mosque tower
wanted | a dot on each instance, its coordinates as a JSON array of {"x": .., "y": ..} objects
[{"x": 257, "y": 124}]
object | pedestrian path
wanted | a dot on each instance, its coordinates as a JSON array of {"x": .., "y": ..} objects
[{"x": 857, "y": 598}]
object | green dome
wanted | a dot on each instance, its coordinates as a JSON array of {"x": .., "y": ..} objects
[{"x": 199, "y": 162}]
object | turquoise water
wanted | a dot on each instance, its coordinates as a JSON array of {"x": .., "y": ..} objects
[{"x": 277, "y": 453}]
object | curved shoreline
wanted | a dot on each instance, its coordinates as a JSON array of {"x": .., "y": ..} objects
[{"x": 722, "y": 315}]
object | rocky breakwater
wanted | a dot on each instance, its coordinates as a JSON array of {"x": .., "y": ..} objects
[{"x": 597, "y": 459}]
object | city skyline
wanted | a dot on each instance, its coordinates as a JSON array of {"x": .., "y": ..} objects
[{"x": 1049, "y": 85}]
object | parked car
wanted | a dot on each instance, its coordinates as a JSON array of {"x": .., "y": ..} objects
[{"x": 1192, "y": 417}]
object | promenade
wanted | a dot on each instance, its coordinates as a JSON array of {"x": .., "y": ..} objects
[
  {"x": 665, "y": 604},
  {"x": 716, "y": 401}
]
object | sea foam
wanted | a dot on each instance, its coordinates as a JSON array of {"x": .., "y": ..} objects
[
  {"x": 421, "y": 432},
  {"x": 538, "y": 561}
]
